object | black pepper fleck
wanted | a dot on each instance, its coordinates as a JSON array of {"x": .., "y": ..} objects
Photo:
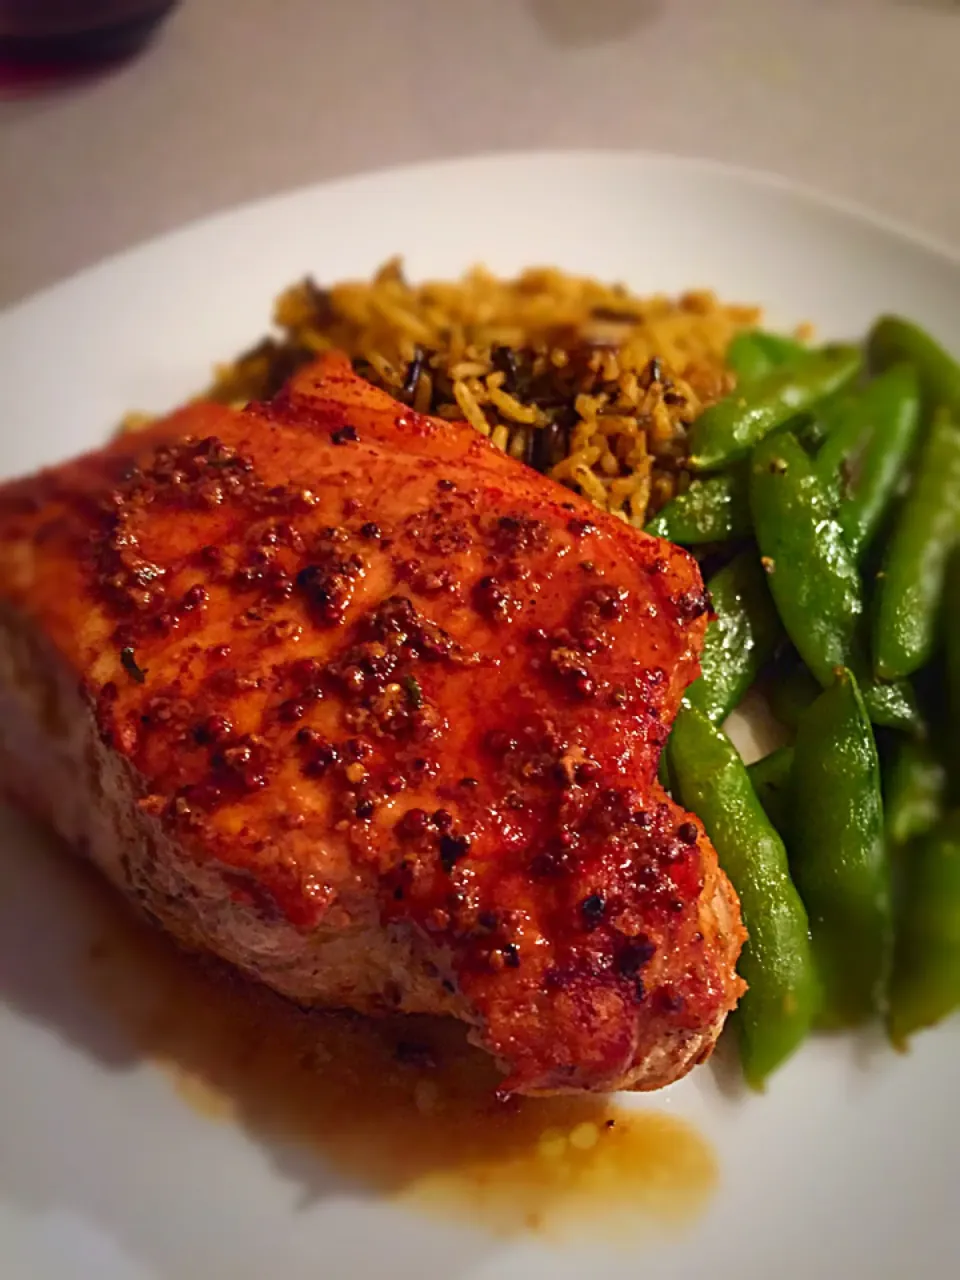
[
  {"x": 128, "y": 660},
  {"x": 634, "y": 955},
  {"x": 592, "y": 909},
  {"x": 452, "y": 849}
]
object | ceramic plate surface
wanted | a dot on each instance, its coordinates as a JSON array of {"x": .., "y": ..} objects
[{"x": 848, "y": 1166}]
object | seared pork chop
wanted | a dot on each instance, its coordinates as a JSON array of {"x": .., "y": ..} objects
[{"x": 349, "y": 698}]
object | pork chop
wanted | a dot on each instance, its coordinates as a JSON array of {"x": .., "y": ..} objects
[{"x": 351, "y": 699}]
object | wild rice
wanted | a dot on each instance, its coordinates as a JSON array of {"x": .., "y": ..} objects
[{"x": 584, "y": 381}]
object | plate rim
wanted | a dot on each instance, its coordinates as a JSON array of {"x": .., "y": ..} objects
[
  {"x": 780, "y": 195},
  {"x": 808, "y": 194}
]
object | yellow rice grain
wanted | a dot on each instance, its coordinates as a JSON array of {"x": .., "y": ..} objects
[
  {"x": 511, "y": 407},
  {"x": 584, "y": 380},
  {"x": 470, "y": 409},
  {"x": 500, "y": 437}
]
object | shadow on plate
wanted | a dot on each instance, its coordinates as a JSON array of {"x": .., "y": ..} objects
[
  {"x": 402, "y": 1109},
  {"x": 724, "y": 1067}
]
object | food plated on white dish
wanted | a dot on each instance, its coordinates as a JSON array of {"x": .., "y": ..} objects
[{"x": 356, "y": 672}]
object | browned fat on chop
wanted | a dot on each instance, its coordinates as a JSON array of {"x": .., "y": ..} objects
[{"x": 353, "y": 700}]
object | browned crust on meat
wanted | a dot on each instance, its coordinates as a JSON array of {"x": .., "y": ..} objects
[{"x": 350, "y": 699}]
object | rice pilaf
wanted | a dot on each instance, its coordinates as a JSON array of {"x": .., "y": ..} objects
[{"x": 586, "y": 382}]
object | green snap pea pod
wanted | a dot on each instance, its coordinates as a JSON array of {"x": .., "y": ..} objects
[
  {"x": 747, "y": 358},
  {"x": 892, "y": 705},
  {"x": 740, "y": 640},
  {"x": 771, "y": 781},
  {"x": 824, "y": 420},
  {"x": 831, "y": 415},
  {"x": 910, "y": 586},
  {"x": 812, "y": 577},
  {"x": 893, "y": 340},
  {"x": 838, "y": 855},
  {"x": 714, "y": 509},
  {"x": 755, "y": 352},
  {"x": 778, "y": 1008},
  {"x": 926, "y": 974},
  {"x": 813, "y": 432},
  {"x": 792, "y": 689},
  {"x": 914, "y": 801},
  {"x": 811, "y": 573},
  {"x": 915, "y": 784},
  {"x": 864, "y": 457},
  {"x": 730, "y": 428}
]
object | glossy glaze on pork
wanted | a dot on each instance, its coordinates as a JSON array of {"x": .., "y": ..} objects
[{"x": 348, "y": 697}]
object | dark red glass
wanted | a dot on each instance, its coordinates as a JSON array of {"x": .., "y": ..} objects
[{"x": 48, "y": 33}]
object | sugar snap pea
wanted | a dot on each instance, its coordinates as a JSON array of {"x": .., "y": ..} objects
[
  {"x": 837, "y": 852},
  {"x": 747, "y": 358},
  {"x": 910, "y": 586},
  {"x": 730, "y": 428},
  {"x": 812, "y": 576},
  {"x": 771, "y": 781},
  {"x": 915, "y": 783},
  {"x": 815, "y": 429},
  {"x": 825, "y": 417},
  {"x": 740, "y": 640},
  {"x": 925, "y": 986},
  {"x": 893, "y": 340},
  {"x": 791, "y": 690},
  {"x": 892, "y": 705},
  {"x": 864, "y": 456},
  {"x": 754, "y": 353},
  {"x": 778, "y": 1008},
  {"x": 715, "y": 509}
]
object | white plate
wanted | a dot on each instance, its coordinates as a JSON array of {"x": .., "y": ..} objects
[{"x": 849, "y": 1166}]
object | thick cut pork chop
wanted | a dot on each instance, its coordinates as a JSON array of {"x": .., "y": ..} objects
[{"x": 351, "y": 699}]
